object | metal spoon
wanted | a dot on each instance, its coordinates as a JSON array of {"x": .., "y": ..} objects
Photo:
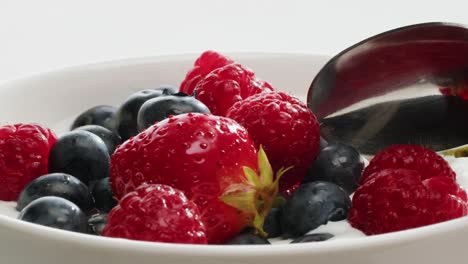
[{"x": 407, "y": 85}]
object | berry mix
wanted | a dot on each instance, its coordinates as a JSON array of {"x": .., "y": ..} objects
[{"x": 225, "y": 159}]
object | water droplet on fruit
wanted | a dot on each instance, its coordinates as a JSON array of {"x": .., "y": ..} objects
[
  {"x": 203, "y": 145},
  {"x": 212, "y": 221},
  {"x": 179, "y": 125},
  {"x": 186, "y": 145},
  {"x": 195, "y": 178},
  {"x": 222, "y": 151},
  {"x": 199, "y": 159},
  {"x": 224, "y": 226},
  {"x": 171, "y": 119}
]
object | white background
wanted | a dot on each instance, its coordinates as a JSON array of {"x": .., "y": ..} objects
[{"x": 41, "y": 35}]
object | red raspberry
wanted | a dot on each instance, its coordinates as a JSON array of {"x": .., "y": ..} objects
[
  {"x": 227, "y": 85},
  {"x": 286, "y": 128},
  {"x": 206, "y": 63},
  {"x": 414, "y": 157},
  {"x": 156, "y": 213},
  {"x": 399, "y": 199},
  {"x": 24, "y": 155}
]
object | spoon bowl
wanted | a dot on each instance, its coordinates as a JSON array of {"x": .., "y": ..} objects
[{"x": 406, "y": 85}]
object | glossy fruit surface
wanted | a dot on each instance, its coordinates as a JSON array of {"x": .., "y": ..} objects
[
  {"x": 313, "y": 204},
  {"x": 55, "y": 212},
  {"x": 156, "y": 213},
  {"x": 81, "y": 154},
  {"x": 211, "y": 159},
  {"x": 287, "y": 130},
  {"x": 338, "y": 163},
  {"x": 60, "y": 185}
]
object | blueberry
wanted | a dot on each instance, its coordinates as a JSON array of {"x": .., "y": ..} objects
[
  {"x": 272, "y": 225},
  {"x": 55, "y": 212},
  {"x": 81, "y": 154},
  {"x": 96, "y": 223},
  {"x": 340, "y": 164},
  {"x": 60, "y": 185},
  {"x": 102, "y": 194},
  {"x": 313, "y": 204},
  {"x": 102, "y": 115},
  {"x": 128, "y": 111},
  {"x": 312, "y": 238},
  {"x": 111, "y": 139},
  {"x": 159, "y": 108},
  {"x": 247, "y": 239}
]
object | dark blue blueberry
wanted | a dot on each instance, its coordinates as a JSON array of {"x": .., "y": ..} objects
[
  {"x": 81, "y": 154},
  {"x": 312, "y": 238},
  {"x": 160, "y": 108},
  {"x": 128, "y": 112},
  {"x": 340, "y": 164},
  {"x": 60, "y": 185},
  {"x": 102, "y": 194},
  {"x": 111, "y": 139},
  {"x": 55, "y": 212},
  {"x": 313, "y": 204},
  {"x": 96, "y": 223},
  {"x": 102, "y": 115},
  {"x": 272, "y": 225},
  {"x": 247, "y": 239}
]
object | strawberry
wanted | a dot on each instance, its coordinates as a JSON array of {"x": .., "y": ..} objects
[{"x": 211, "y": 159}]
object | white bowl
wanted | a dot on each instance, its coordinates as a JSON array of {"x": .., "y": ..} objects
[{"x": 53, "y": 99}]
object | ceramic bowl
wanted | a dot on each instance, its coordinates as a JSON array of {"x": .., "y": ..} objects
[{"x": 55, "y": 98}]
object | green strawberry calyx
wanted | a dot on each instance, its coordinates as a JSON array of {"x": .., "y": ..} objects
[{"x": 257, "y": 195}]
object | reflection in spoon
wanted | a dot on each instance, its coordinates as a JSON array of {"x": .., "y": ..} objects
[{"x": 426, "y": 59}]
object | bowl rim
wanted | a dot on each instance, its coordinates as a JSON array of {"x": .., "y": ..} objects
[{"x": 231, "y": 251}]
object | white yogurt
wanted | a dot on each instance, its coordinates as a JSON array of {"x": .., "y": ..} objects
[{"x": 340, "y": 230}]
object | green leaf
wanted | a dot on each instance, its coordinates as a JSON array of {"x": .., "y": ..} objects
[
  {"x": 266, "y": 172},
  {"x": 244, "y": 201},
  {"x": 251, "y": 176}
]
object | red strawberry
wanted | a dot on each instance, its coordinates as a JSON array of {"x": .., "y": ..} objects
[
  {"x": 207, "y": 62},
  {"x": 211, "y": 159},
  {"x": 227, "y": 85},
  {"x": 399, "y": 199},
  {"x": 286, "y": 128},
  {"x": 157, "y": 213},
  {"x": 426, "y": 161},
  {"x": 24, "y": 153}
]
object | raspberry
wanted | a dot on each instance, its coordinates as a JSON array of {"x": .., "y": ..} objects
[
  {"x": 207, "y": 62},
  {"x": 156, "y": 213},
  {"x": 415, "y": 157},
  {"x": 286, "y": 128},
  {"x": 227, "y": 85},
  {"x": 24, "y": 154},
  {"x": 399, "y": 199}
]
